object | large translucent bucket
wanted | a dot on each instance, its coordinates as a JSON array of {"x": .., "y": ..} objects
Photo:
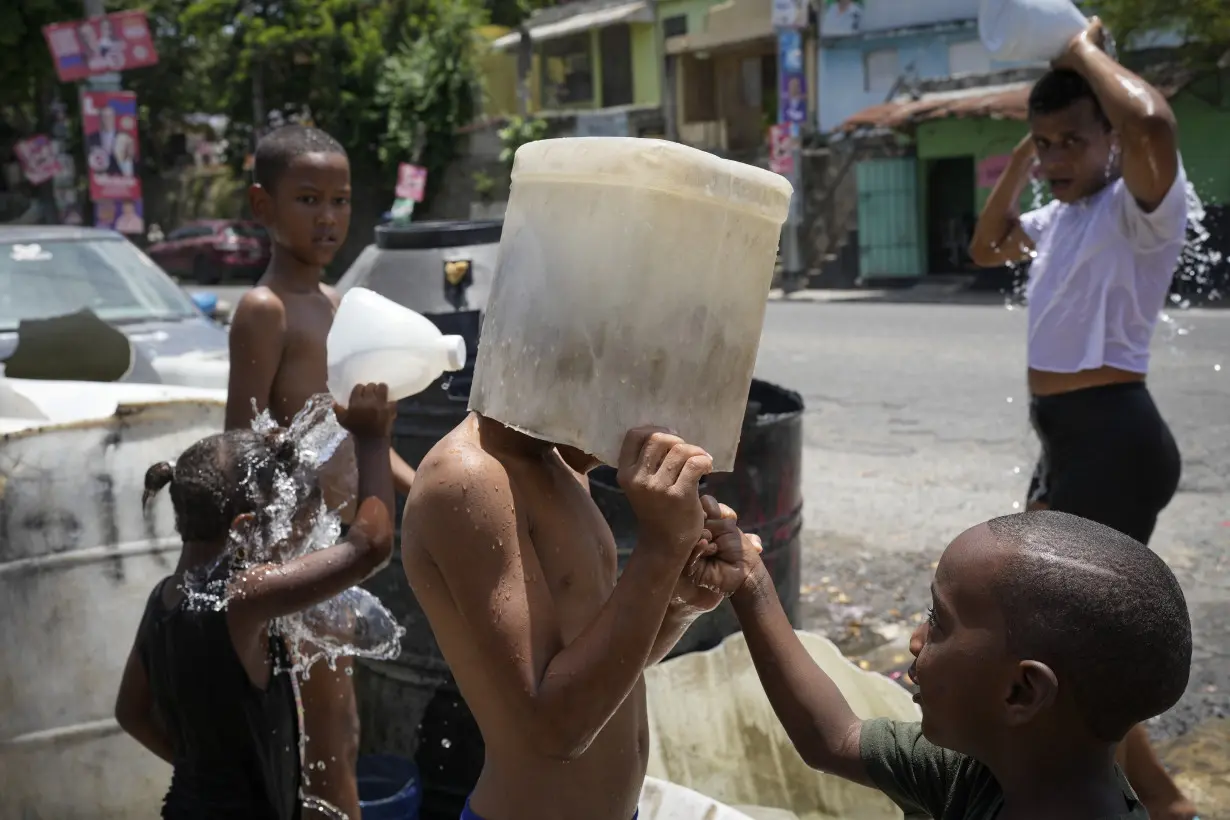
[{"x": 630, "y": 290}]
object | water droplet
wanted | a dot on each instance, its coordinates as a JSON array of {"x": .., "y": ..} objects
[
  {"x": 1010, "y": 399},
  {"x": 1016, "y": 470},
  {"x": 1016, "y": 505},
  {"x": 1217, "y": 368},
  {"x": 446, "y": 743}
]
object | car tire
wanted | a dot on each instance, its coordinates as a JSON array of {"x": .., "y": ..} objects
[{"x": 202, "y": 273}]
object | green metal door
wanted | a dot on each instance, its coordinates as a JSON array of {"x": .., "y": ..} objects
[{"x": 888, "y": 230}]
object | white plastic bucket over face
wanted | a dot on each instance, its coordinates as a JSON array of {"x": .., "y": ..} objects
[{"x": 630, "y": 290}]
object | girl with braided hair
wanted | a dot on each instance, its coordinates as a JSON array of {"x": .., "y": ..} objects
[{"x": 206, "y": 687}]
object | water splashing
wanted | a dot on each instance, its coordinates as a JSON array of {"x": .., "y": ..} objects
[
  {"x": 292, "y": 524},
  {"x": 1195, "y": 272}
]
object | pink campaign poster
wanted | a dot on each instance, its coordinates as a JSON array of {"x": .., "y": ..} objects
[
  {"x": 411, "y": 182},
  {"x": 991, "y": 168},
  {"x": 38, "y": 159},
  {"x": 109, "y": 119},
  {"x": 126, "y": 216},
  {"x": 100, "y": 45}
]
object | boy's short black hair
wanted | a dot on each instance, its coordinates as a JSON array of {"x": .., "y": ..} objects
[
  {"x": 1060, "y": 88},
  {"x": 1102, "y": 610},
  {"x": 276, "y": 149}
]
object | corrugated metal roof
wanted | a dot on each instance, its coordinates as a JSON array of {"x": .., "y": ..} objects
[
  {"x": 585, "y": 17},
  {"x": 1003, "y": 101},
  {"x": 1008, "y": 102}
]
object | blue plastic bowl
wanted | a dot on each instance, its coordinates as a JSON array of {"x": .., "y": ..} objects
[{"x": 389, "y": 788}]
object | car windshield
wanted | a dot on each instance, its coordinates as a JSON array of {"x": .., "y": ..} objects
[{"x": 111, "y": 277}]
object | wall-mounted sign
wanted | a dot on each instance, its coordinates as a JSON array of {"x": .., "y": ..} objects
[
  {"x": 411, "y": 182},
  {"x": 841, "y": 18},
  {"x": 100, "y": 45},
  {"x": 789, "y": 13},
  {"x": 38, "y": 158},
  {"x": 109, "y": 119},
  {"x": 990, "y": 169},
  {"x": 783, "y": 144},
  {"x": 792, "y": 89},
  {"x": 126, "y": 216}
]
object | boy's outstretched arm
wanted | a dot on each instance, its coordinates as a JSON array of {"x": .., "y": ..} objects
[
  {"x": 257, "y": 331},
  {"x": 820, "y": 723}
]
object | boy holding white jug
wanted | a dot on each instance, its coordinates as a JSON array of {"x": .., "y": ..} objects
[
  {"x": 301, "y": 195},
  {"x": 1104, "y": 253}
]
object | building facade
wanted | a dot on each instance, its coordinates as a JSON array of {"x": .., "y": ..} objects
[{"x": 869, "y": 49}]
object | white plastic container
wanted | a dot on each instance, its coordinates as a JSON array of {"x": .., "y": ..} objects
[
  {"x": 1028, "y": 30},
  {"x": 661, "y": 800},
  {"x": 374, "y": 339},
  {"x": 630, "y": 290}
]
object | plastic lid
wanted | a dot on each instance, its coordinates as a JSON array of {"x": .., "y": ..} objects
[
  {"x": 656, "y": 164},
  {"x": 420, "y": 236},
  {"x": 455, "y": 350}
]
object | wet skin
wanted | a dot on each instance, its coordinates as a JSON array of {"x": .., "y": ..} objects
[
  {"x": 278, "y": 358},
  {"x": 515, "y": 568},
  {"x": 980, "y": 699}
]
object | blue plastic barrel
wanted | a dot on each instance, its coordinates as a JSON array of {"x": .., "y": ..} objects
[{"x": 389, "y": 788}]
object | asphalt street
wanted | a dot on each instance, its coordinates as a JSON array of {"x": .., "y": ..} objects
[{"x": 916, "y": 428}]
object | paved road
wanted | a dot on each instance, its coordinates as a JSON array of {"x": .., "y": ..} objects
[{"x": 916, "y": 429}]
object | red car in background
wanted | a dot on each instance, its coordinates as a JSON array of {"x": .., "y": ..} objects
[{"x": 209, "y": 251}]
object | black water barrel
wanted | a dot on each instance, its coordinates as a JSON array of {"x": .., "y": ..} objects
[
  {"x": 765, "y": 489},
  {"x": 412, "y": 707}
]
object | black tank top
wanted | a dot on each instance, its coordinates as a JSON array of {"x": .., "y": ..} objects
[{"x": 236, "y": 748}]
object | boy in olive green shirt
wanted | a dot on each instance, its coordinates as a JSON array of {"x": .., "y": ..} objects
[{"x": 1049, "y": 637}]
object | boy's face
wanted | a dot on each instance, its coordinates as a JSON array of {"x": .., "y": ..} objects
[
  {"x": 963, "y": 670},
  {"x": 1075, "y": 150},
  {"x": 308, "y": 212}
]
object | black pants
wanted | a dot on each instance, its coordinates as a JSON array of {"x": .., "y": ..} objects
[{"x": 1107, "y": 455}]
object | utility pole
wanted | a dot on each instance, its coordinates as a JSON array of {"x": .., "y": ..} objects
[
  {"x": 791, "y": 65},
  {"x": 666, "y": 76}
]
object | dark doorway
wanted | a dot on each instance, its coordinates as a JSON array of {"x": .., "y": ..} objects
[
  {"x": 950, "y": 214},
  {"x": 615, "y": 48}
]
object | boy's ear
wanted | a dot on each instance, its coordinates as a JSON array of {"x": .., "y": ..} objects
[
  {"x": 261, "y": 204},
  {"x": 1034, "y": 689}
]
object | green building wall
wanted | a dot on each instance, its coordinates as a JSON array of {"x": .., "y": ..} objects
[
  {"x": 646, "y": 80},
  {"x": 695, "y": 10},
  {"x": 1203, "y": 130}
]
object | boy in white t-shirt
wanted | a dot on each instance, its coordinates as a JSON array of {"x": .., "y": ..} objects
[{"x": 1104, "y": 254}]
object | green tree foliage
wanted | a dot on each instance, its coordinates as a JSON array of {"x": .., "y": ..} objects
[
  {"x": 428, "y": 85},
  {"x": 1203, "y": 24},
  {"x": 27, "y": 76}
]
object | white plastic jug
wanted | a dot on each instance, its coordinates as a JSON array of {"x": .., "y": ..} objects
[
  {"x": 1028, "y": 30},
  {"x": 374, "y": 339},
  {"x": 630, "y": 290}
]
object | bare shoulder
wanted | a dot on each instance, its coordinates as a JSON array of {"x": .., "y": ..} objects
[
  {"x": 331, "y": 293},
  {"x": 260, "y": 305},
  {"x": 461, "y": 493}
]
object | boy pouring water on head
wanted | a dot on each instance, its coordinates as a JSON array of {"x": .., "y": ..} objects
[{"x": 301, "y": 194}]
